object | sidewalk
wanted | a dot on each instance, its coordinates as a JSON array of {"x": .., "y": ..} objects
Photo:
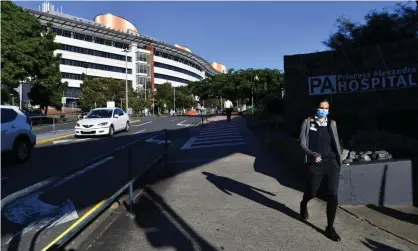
[{"x": 241, "y": 200}]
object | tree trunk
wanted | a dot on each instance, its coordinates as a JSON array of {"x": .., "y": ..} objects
[{"x": 46, "y": 111}]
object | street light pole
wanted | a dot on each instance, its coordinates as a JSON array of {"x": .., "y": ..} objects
[
  {"x": 252, "y": 94},
  {"x": 126, "y": 77},
  {"x": 174, "y": 99}
]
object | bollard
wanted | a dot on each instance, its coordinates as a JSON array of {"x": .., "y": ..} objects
[{"x": 131, "y": 198}]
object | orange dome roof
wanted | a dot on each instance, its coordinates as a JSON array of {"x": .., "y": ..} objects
[
  {"x": 114, "y": 22},
  {"x": 219, "y": 67}
]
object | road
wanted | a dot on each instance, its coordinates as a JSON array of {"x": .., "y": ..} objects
[{"x": 99, "y": 180}]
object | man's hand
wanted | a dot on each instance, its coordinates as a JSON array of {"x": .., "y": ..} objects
[{"x": 318, "y": 159}]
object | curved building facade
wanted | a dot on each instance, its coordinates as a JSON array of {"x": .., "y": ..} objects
[{"x": 110, "y": 45}]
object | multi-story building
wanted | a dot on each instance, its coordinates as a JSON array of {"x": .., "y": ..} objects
[{"x": 111, "y": 46}]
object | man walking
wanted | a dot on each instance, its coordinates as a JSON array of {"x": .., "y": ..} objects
[
  {"x": 228, "y": 109},
  {"x": 319, "y": 140}
]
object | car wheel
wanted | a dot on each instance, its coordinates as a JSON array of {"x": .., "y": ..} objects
[
  {"x": 21, "y": 150},
  {"x": 127, "y": 126},
  {"x": 111, "y": 131}
]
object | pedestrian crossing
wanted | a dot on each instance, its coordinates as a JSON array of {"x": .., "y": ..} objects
[{"x": 216, "y": 135}]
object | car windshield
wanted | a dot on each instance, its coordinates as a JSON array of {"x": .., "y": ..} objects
[{"x": 103, "y": 113}]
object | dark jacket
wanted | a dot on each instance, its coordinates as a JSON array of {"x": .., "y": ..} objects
[{"x": 304, "y": 140}]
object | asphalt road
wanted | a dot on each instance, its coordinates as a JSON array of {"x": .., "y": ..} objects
[{"x": 99, "y": 180}]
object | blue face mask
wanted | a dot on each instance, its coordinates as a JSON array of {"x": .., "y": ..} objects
[{"x": 322, "y": 113}]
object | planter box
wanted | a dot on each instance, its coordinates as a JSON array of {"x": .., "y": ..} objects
[{"x": 384, "y": 183}]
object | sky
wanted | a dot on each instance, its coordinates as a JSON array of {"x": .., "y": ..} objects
[{"x": 239, "y": 35}]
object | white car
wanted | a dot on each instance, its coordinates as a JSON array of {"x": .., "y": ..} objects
[
  {"x": 102, "y": 121},
  {"x": 17, "y": 136}
]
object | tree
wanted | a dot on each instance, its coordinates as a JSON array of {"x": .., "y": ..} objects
[
  {"x": 380, "y": 26},
  {"x": 28, "y": 56},
  {"x": 165, "y": 95},
  {"x": 184, "y": 97},
  {"x": 96, "y": 92},
  {"x": 238, "y": 85}
]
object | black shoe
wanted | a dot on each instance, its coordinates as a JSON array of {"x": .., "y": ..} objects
[
  {"x": 304, "y": 211},
  {"x": 330, "y": 233}
]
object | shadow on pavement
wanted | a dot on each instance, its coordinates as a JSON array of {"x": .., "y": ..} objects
[
  {"x": 229, "y": 186},
  {"x": 407, "y": 217},
  {"x": 377, "y": 246},
  {"x": 164, "y": 227}
]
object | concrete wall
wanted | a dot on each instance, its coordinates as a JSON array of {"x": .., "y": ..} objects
[{"x": 357, "y": 62}]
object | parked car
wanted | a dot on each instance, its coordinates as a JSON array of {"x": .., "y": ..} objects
[
  {"x": 17, "y": 136},
  {"x": 102, "y": 121}
]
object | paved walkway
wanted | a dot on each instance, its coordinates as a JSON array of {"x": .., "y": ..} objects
[{"x": 232, "y": 198}]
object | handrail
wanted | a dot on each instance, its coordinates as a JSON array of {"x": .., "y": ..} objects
[{"x": 79, "y": 225}]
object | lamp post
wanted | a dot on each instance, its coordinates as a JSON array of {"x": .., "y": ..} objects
[
  {"x": 126, "y": 76},
  {"x": 174, "y": 88},
  {"x": 252, "y": 94}
]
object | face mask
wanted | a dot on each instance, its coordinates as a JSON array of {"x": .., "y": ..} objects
[{"x": 322, "y": 113}]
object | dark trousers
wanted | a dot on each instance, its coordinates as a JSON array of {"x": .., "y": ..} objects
[
  {"x": 228, "y": 113},
  {"x": 316, "y": 172}
]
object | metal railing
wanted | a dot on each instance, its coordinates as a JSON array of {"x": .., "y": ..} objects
[{"x": 84, "y": 221}]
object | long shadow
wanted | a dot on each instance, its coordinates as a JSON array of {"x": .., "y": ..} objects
[
  {"x": 229, "y": 186},
  {"x": 164, "y": 227},
  {"x": 377, "y": 246},
  {"x": 407, "y": 217}
]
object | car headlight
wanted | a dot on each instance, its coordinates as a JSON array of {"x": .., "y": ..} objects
[
  {"x": 77, "y": 124},
  {"x": 103, "y": 124}
]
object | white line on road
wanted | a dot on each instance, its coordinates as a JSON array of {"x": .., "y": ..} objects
[
  {"x": 143, "y": 123},
  {"x": 138, "y": 132},
  {"x": 87, "y": 169},
  {"x": 181, "y": 123},
  {"x": 3, "y": 178},
  {"x": 216, "y": 145},
  {"x": 173, "y": 119},
  {"x": 188, "y": 143}
]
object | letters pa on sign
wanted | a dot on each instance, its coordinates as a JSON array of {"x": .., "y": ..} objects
[{"x": 378, "y": 80}]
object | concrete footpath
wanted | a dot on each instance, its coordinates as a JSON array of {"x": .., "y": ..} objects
[{"x": 231, "y": 198}]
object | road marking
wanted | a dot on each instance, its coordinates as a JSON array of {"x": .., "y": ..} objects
[
  {"x": 199, "y": 141},
  {"x": 39, "y": 185},
  {"x": 188, "y": 144},
  {"x": 45, "y": 141},
  {"x": 15, "y": 210},
  {"x": 87, "y": 169},
  {"x": 138, "y": 132},
  {"x": 69, "y": 140},
  {"x": 181, "y": 123},
  {"x": 217, "y": 145},
  {"x": 3, "y": 178},
  {"x": 173, "y": 120},
  {"x": 143, "y": 123},
  {"x": 74, "y": 224}
]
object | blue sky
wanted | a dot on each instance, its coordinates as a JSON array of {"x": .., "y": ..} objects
[{"x": 238, "y": 34}]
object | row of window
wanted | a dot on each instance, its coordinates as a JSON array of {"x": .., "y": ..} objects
[
  {"x": 177, "y": 69},
  {"x": 78, "y": 76},
  {"x": 94, "y": 66},
  {"x": 142, "y": 68},
  {"x": 73, "y": 92},
  {"x": 171, "y": 78},
  {"x": 140, "y": 56},
  {"x": 96, "y": 53},
  {"x": 141, "y": 80},
  {"x": 98, "y": 40},
  {"x": 178, "y": 59},
  {"x": 88, "y": 38}
]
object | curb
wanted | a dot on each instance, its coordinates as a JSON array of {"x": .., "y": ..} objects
[
  {"x": 135, "y": 121},
  {"x": 45, "y": 141}
]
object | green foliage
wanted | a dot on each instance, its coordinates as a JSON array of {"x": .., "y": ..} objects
[
  {"x": 95, "y": 92},
  {"x": 380, "y": 26},
  {"x": 238, "y": 85},
  {"x": 165, "y": 95},
  {"x": 28, "y": 56}
]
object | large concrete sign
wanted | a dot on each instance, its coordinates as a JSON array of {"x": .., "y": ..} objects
[{"x": 370, "y": 81}]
